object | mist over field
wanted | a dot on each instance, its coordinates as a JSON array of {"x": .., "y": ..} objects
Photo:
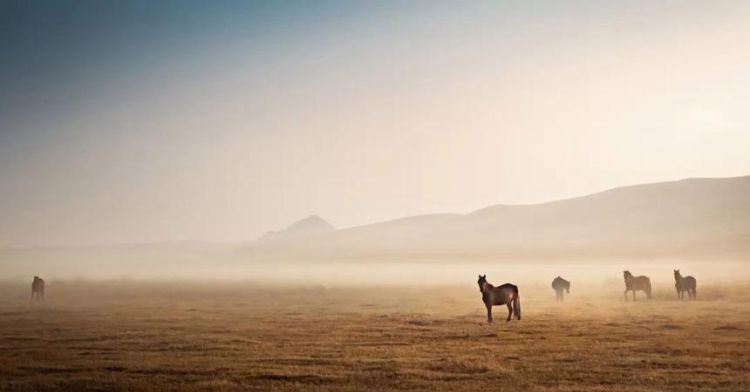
[
  {"x": 357, "y": 195},
  {"x": 701, "y": 225}
]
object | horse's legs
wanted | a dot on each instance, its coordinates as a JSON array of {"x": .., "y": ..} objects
[
  {"x": 510, "y": 311},
  {"x": 489, "y": 313},
  {"x": 633, "y": 295},
  {"x": 626, "y": 295}
]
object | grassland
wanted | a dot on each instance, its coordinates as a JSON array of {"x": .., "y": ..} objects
[{"x": 134, "y": 336}]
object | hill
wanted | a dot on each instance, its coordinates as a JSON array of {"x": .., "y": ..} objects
[
  {"x": 311, "y": 225},
  {"x": 696, "y": 217}
]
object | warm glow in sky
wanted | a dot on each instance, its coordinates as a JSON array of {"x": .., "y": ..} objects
[{"x": 156, "y": 121}]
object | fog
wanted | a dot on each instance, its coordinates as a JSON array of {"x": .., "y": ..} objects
[
  {"x": 218, "y": 266},
  {"x": 421, "y": 137},
  {"x": 221, "y": 121}
]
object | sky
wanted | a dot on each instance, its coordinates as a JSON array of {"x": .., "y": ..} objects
[{"x": 141, "y": 121}]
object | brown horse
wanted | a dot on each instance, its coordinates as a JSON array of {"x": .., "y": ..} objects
[
  {"x": 506, "y": 294},
  {"x": 635, "y": 283},
  {"x": 37, "y": 289},
  {"x": 684, "y": 284},
  {"x": 560, "y": 285}
]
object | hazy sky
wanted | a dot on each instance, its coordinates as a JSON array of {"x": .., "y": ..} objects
[{"x": 129, "y": 121}]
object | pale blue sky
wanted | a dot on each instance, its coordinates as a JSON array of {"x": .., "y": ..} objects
[{"x": 176, "y": 120}]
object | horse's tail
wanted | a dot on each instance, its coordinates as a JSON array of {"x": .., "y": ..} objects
[
  {"x": 648, "y": 288},
  {"x": 516, "y": 304}
]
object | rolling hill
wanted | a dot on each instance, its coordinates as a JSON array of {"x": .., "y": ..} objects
[{"x": 699, "y": 217}]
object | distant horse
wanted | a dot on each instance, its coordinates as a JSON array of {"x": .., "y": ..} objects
[
  {"x": 635, "y": 283},
  {"x": 506, "y": 294},
  {"x": 560, "y": 285},
  {"x": 37, "y": 289},
  {"x": 684, "y": 284}
]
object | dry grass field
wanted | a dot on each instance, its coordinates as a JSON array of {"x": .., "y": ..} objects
[{"x": 134, "y": 336}]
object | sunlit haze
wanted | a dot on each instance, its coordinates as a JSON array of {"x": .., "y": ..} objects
[{"x": 125, "y": 122}]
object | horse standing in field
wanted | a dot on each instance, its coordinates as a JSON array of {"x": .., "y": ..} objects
[
  {"x": 684, "y": 284},
  {"x": 506, "y": 294},
  {"x": 37, "y": 289},
  {"x": 635, "y": 283},
  {"x": 560, "y": 285}
]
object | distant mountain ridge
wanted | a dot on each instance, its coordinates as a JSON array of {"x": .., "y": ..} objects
[
  {"x": 311, "y": 225},
  {"x": 698, "y": 217}
]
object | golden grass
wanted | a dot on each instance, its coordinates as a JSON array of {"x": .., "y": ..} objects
[{"x": 179, "y": 336}]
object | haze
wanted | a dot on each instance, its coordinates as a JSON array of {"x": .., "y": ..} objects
[
  {"x": 150, "y": 122},
  {"x": 308, "y": 195}
]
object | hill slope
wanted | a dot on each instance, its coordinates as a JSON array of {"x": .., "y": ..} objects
[
  {"x": 689, "y": 218},
  {"x": 312, "y": 225}
]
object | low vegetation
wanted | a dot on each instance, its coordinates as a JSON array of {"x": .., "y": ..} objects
[{"x": 133, "y": 336}]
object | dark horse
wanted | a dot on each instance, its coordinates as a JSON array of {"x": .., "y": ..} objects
[
  {"x": 635, "y": 283},
  {"x": 684, "y": 284},
  {"x": 506, "y": 294},
  {"x": 560, "y": 285},
  {"x": 37, "y": 289}
]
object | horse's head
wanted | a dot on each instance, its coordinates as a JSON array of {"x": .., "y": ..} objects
[
  {"x": 36, "y": 278},
  {"x": 627, "y": 274},
  {"x": 677, "y": 274},
  {"x": 567, "y": 287},
  {"x": 481, "y": 282}
]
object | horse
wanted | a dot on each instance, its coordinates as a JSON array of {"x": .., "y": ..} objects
[
  {"x": 560, "y": 285},
  {"x": 635, "y": 283},
  {"x": 687, "y": 283},
  {"x": 506, "y": 294},
  {"x": 37, "y": 289}
]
